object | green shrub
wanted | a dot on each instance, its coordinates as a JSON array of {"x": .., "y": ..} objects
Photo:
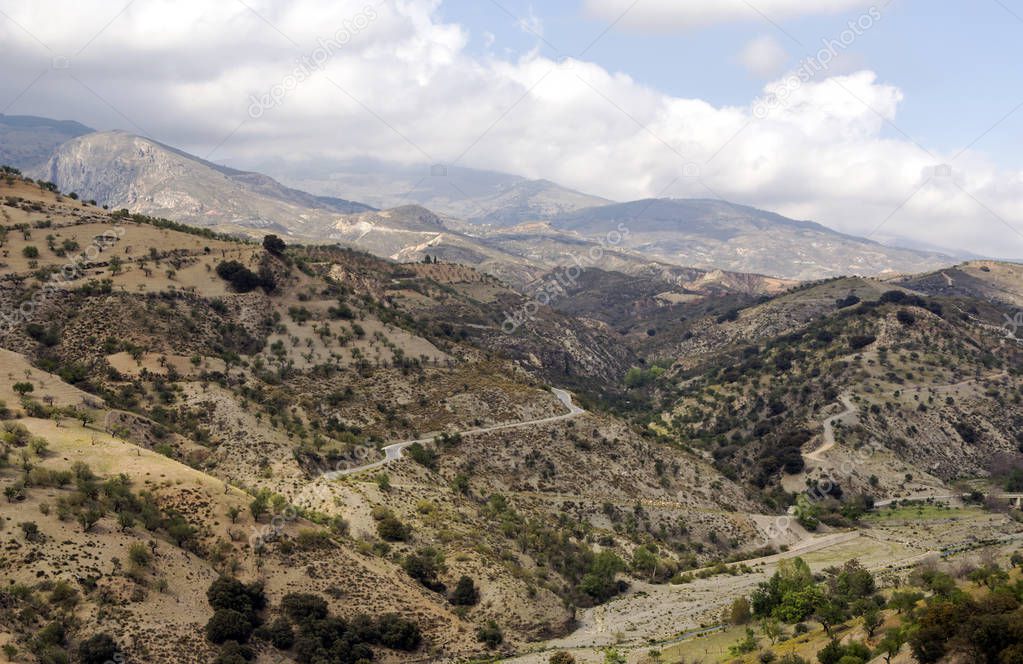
[
  {"x": 490, "y": 634},
  {"x": 97, "y": 649},
  {"x": 228, "y": 625}
]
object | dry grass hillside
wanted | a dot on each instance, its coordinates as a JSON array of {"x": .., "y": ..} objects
[{"x": 174, "y": 396}]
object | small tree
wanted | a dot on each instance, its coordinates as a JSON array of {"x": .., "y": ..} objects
[
  {"x": 905, "y": 601},
  {"x": 891, "y": 644},
  {"x": 258, "y": 506},
  {"x": 771, "y": 628},
  {"x": 274, "y": 245},
  {"x": 228, "y": 625},
  {"x": 465, "y": 593},
  {"x": 87, "y": 518},
  {"x": 829, "y": 614},
  {"x": 31, "y": 530},
  {"x": 490, "y": 634},
  {"x": 24, "y": 388},
  {"x": 424, "y": 565},
  {"x": 139, "y": 555},
  {"x": 739, "y": 612},
  {"x": 82, "y": 415},
  {"x": 872, "y": 619},
  {"x": 98, "y": 649},
  {"x": 125, "y": 521},
  {"x": 39, "y": 446}
]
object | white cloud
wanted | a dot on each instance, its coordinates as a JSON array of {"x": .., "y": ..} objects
[
  {"x": 763, "y": 57},
  {"x": 405, "y": 88},
  {"x": 666, "y": 15}
]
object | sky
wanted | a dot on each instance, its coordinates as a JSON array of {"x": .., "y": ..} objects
[{"x": 898, "y": 120}]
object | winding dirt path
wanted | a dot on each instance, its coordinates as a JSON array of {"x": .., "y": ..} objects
[
  {"x": 829, "y": 429},
  {"x": 828, "y": 434},
  {"x": 393, "y": 452}
]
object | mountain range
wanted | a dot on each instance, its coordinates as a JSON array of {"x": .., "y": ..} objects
[{"x": 509, "y": 226}]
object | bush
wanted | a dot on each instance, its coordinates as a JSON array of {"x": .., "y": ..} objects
[
  {"x": 465, "y": 593},
  {"x": 424, "y": 565},
  {"x": 422, "y": 455},
  {"x": 280, "y": 635},
  {"x": 230, "y": 593},
  {"x": 313, "y": 539},
  {"x": 856, "y": 342},
  {"x": 241, "y": 278},
  {"x": 302, "y": 607},
  {"x": 139, "y": 555},
  {"x": 398, "y": 633},
  {"x": 490, "y": 634},
  {"x": 274, "y": 245},
  {"x": 847, "y": 301},
  {"x": 561, "y": 657},
  {"x": 53, "y": 634},
  {"x": 739, "y": 612},
  {"x": 233, "y": 652},
  {"x": 228, "y": 625},
  {"x": 392, "y": 530},
  {"x": 97, "y": 649},
  {"x": 849, "y": 653},
  {"x": 54, "y": 655}
]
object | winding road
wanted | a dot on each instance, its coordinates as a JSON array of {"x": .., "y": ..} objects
[
  {"x": 393, "y": 452},
  {"x": 828, "y": 435},
  {"x": 829, "y": 428}
]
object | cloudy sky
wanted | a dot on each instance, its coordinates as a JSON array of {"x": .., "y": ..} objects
[{"x": 897, "y": 119}]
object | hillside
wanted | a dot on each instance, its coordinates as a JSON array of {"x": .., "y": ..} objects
[
  {"x": 906, "y": 377},
  {"x": 716, "y": 234},
  {"x": 988, "y": 281},
  {"x": 172, "y": 405}
]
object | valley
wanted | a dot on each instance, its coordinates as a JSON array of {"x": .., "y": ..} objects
[
  {"x": 187, "y": 410},
  {"x": 582, "y": 332}
]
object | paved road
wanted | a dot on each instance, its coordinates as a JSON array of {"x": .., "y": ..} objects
[{"x": 393, "y": 451}]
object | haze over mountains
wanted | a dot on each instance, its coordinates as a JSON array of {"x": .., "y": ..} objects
[
  {"x": 711, "y": 233},
  {"x": 479, "y": 196},
  {"x": 507, "y": 225},
  {"x": 27, "y": 142}
]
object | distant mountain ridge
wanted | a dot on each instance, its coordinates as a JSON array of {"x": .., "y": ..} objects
[
  {"x": 473, "y": 195},
  {"x": 27, "y": 142},
  {"x": 708, "y": 233},
  {"x": 507, "y": 225}
]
